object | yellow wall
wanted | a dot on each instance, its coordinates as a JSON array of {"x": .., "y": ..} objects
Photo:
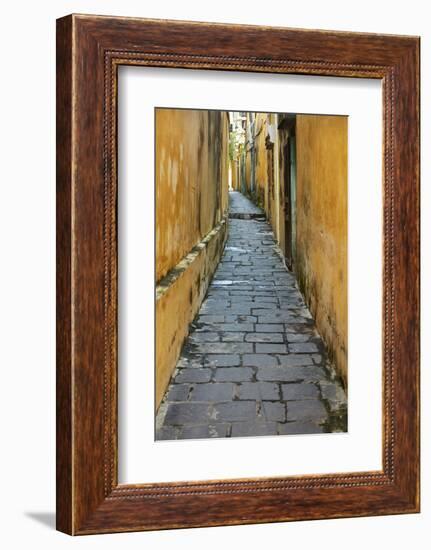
[
  {"x": 234, "y": 171},
  {"x": 192, "y": 167},
  {"x": 191, "y": 180},
  {"x": 248, "y": 168},
  {"x": 268, "y": 193},
  {"x": 321, "y": 210},
  {"x": 261, "y": 192}
]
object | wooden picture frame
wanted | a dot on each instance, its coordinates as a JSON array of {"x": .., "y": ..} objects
[{"x": 89, "y": 51}]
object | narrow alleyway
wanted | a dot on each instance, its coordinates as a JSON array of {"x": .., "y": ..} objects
[{"x": 253, "y": 363}]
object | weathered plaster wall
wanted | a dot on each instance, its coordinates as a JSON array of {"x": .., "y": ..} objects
[
  {"x": 272, "y": 178},
  {"x": 248, "y": 162},
  {"x": 321, "y": 227},
  {"x": 191, "y": 180},
  {"x": 192, "y": 167},
  {"x": 267, "y": 193},
  {"x": 235, "y": 174},
  {"x": 261, "y": 191}
]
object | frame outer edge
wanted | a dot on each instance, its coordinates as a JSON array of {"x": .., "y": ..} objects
[
  {"x": 407, "y": 272},
  {"x": 81, "y": 508},
  {"x": 64, "y": 368}
]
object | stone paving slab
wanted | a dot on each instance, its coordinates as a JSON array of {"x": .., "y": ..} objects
[{"x": 253, "y": 363}]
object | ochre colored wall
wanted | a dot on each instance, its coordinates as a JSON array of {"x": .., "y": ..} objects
[
  {"x": 234, "y": 171},
  {"x": 248, "y": 169},
  {"x": 321, "y": 253},
  {"x": 261, "y": 195},
  {"x": 192, "y": 171},
  {"x": 191, "y": 180},
  {"x": 267, "y": 193}
]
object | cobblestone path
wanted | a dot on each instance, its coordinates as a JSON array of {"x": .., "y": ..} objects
[{"x": 253, "y": 363}]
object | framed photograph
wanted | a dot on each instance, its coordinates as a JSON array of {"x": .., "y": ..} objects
[{"x": 237, "y": 274}]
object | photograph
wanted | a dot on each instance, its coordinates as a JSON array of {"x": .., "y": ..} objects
[{"x": 251, "y": 273}]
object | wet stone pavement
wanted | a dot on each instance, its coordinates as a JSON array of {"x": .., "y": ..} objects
[{"x": 253, "y": 363}]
